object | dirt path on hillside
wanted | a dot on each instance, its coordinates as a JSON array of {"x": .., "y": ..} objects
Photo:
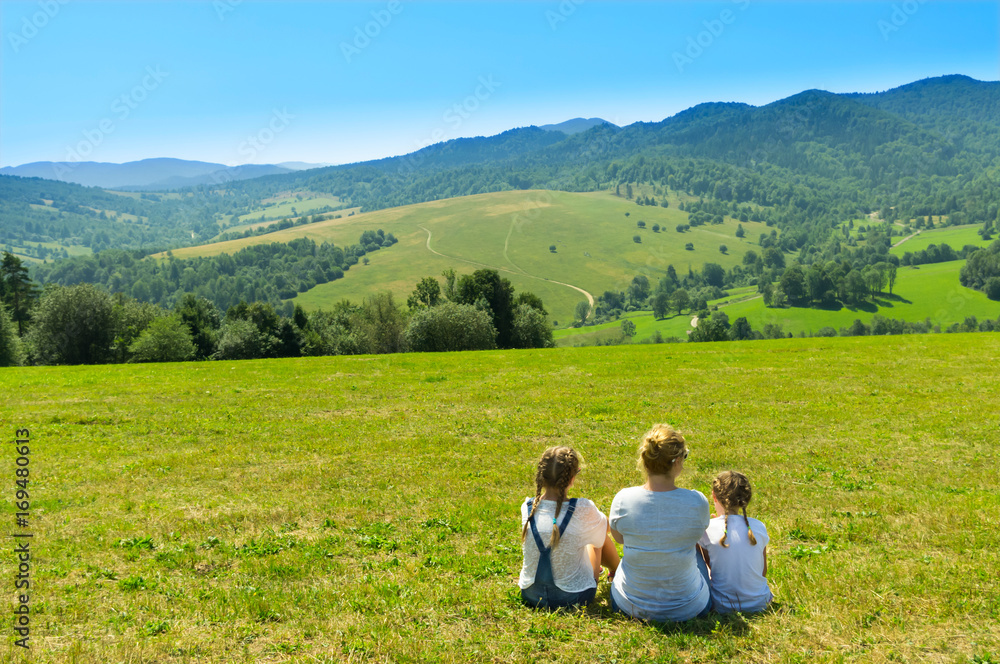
[
  {"x": 519, "y": 271},
  {"x": 906, "y": 238}
]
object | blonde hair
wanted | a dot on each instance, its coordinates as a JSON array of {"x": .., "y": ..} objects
[
  {"x": 733, "y": 490},
  {"x": 660, "y": 447},
  {"x": 557, "y": 467}
]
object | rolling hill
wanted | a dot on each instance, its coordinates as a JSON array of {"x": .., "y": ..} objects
[{"x": 513, "y": 232}]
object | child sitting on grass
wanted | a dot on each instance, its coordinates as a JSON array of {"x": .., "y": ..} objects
[
  {"x": 736, "y": 551},
  {"x": 564, "y": 572}
]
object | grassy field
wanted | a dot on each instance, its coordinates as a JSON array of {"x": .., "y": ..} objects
[
  {"x": 954, "y": 236},
  {"x": 365, "y": 508},
  {"x": 512, "y": 232},
  {"x": 282, "y": 207},
  {"x": 921, "y": 292}
]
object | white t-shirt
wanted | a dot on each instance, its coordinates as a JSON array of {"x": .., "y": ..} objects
[
  {"x": 658, "y": 578},
  {"x": 571, "y": 568},
  {"x": 738, "y": 582}
]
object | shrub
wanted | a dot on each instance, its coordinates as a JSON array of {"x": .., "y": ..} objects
[
  {"x": 452, "y": 327},
  {"x": 166, "y": 339},
  {"x": 11, "y": 353},
  {"x": 531, "y": 329},
  {"x": 73, "y": 325},
  {"x": 992, "y": 288},
  {"x": 689, "y": 246}
]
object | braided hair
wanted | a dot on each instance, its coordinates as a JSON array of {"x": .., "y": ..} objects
[
  {"x": 733, "y": 491},
  {"x": 557, "y": 467},
  {"x": 660, "y": 447}
]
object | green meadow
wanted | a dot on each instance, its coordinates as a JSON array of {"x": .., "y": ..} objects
[
  {"x": 921, "y": 292},
  {"x": 512, "y": 232},
  {"x": 282, "y": 207},
  {"x": 954, "y": 236},
  {"x": 344, "y": 509}
]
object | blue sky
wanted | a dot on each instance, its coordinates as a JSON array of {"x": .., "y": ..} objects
[{"x": 247, "y": 81}]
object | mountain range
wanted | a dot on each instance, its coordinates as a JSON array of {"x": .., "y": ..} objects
[
  {"x": 805, "y": 163},
  {"x": 149, "y": 174}
]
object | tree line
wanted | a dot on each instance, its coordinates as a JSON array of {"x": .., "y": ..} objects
[
  {"x": 272, "y": 273},
  {"x": 87, "y": 324}
]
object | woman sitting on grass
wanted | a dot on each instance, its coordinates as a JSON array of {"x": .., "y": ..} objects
[
  {"x": 563, "y": 573},
  {"x": 662, "y": 576},
  {"x": 736, "y": 551}
]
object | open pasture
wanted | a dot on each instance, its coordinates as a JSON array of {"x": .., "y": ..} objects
[
  {"x": 921, "y": 292},
  {"x": 954, "y": 236},
  {"x": 513, "y": 231},
  {"x": 365, "y": 508}
]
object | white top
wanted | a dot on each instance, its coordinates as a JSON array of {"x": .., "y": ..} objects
[
  {"x": 738, "y": 582},
  {"x": 571, "y": 568},
  {"x": 658, "y": 578}
]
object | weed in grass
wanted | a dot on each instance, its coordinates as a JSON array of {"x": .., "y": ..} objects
[
  {"x": 136, "y": 543},
  {"x": 133, "y": 583},
  {"x": 799, "y": 551},
  {"x": 155, "y": 628}
]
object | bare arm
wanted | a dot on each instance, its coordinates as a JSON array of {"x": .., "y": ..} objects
[
  {"x": 704, "y": 554},
  {"x": 617, "y": 535},
  {"x": 765, "y": 562}
]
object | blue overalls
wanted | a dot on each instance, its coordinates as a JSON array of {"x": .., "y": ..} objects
[{"x": 544, "y": 593}]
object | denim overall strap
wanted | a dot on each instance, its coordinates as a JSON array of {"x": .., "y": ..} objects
[{"x": 570, "y": 507}]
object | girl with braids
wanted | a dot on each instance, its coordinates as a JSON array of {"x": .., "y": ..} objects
[
  {"x": 565, "y": 541},
  {"x": 736, "y": 549},
  {"x": 662, "y": 576}
]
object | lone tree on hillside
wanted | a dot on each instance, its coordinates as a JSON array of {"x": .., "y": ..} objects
[
  {"x": 680, "y": 300},
  {"x": 582, "y": 309},
  {"x": 636, "y": 239},
  {"x": 661, "y": 305},
  {"x": 552, "y": 248},
  {"x": 640, "y": 224},
  {"x": 628, "y": 328}
]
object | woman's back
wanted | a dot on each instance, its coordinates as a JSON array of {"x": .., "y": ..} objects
[{"x": 658, "y": 578}]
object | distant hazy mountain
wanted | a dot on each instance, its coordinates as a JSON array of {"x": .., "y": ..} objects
[
  {"x": 301, "y": 165},
  {"x": 100, "y": 174},
  {"x": 150, "y": 174},
  {"x": 576, "y": 125},
  {"x": 219, "y": 176}
]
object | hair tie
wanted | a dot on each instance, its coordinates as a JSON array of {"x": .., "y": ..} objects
[{"x": 553, "y": 521}]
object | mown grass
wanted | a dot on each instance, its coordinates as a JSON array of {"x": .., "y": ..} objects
[
  {"x": 366, "y": 508},
  {"x": 512, "y": 231}
]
